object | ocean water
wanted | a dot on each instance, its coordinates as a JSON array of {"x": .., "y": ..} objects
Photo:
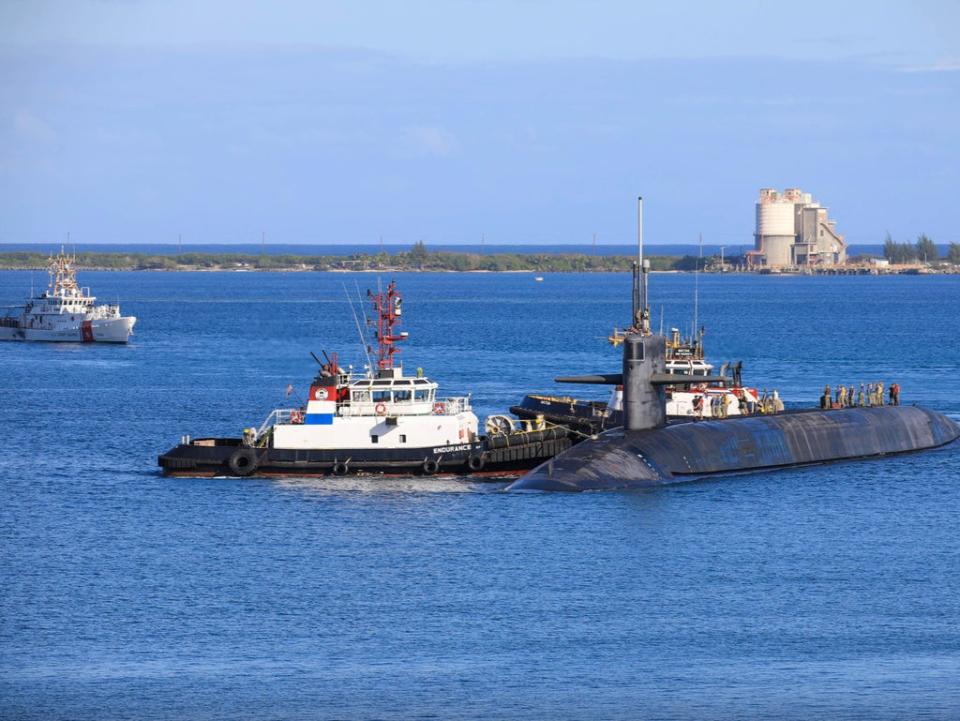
[{"x": 826, "y": 592}]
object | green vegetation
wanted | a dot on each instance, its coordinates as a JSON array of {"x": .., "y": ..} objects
[
  {"x": 925, "y": 250},
  {"x": 417, "y": 258},
  {"x": 953, "y": 253}
]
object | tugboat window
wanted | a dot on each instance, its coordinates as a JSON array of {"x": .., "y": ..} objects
[
  {"x": 403, "y": 439},
  {"x": 381, "y": 396},
  {"x": 374, "y": 439},
  {"x": 422, "y": 395},
  {"x": 401, "y": 395}
]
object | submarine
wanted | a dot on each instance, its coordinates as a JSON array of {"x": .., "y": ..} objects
[{"x": 646, "y": 452}]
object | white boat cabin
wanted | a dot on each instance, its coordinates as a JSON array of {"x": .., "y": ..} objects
[{"x": 386, "y": 410}]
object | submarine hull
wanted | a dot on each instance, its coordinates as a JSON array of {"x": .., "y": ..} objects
[{"x": 619, "y": 458}]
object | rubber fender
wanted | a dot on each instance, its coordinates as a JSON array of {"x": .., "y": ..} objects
[{"x": 242, "y": 462}]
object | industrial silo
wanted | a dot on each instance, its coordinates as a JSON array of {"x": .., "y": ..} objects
[{"x": 776, "y": 227}]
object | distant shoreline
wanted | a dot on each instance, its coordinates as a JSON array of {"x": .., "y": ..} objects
[{"x": 419, "y": 259}]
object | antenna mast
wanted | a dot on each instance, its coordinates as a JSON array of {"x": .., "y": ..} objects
[
  {"x": 388, "y": 307},
  {"x": 641, "y": 304},
  {"x": 356, "y": 320},
  {"x": 696, "y": 288}
]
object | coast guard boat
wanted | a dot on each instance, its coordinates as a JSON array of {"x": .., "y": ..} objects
[
  {"x": 66, "y": 312},
  {"x": 382, "y": 422}
]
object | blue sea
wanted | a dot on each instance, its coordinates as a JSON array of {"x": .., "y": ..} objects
[{"x": 828, "y": 592}]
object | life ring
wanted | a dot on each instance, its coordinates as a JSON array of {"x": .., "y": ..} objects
[
  {"x": 320, "y": 393},
  {"x": 439, "y": 408},
  {"x": 340, "y": 468},
  {"x": 380, "y": 409},
  {"x": 477, "y": 462},
  {"x": 430, "y": 466},
  {"x": 243, "y": 461},
  {"x": 296, "y": 417}
]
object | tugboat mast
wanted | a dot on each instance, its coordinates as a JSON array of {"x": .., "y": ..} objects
[{"x": 388, "y": 307}]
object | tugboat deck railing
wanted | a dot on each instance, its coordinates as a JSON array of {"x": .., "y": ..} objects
[{"x": 280, "y": 416}]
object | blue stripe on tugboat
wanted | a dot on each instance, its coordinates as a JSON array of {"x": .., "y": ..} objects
[{"x": 318, "y": 419}]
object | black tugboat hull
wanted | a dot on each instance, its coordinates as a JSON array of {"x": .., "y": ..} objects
[
  {"x": 490, "y": 456},
  {"x": 620, "y": 459}
]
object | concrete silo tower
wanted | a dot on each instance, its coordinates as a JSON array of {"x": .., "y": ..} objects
[
  {"x": 776, "y": 226},
  {"x": 794, "y": 230}
]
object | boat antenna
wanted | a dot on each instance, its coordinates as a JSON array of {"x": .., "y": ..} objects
[
  {"x": 366, "y": 324},
  {"x": 641, "y": 304},
  {"x": 356, "y": 320},
  {"x": 696, "y": 290}
]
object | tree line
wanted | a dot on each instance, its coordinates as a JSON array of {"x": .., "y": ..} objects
[
  {"x": 417, "y": 258},
  {"x": 924, "y": 250}
]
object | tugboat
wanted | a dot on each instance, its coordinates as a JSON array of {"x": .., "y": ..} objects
[
  {"x": 66, "y": 312},
  {"x": 382, "y": 422}
]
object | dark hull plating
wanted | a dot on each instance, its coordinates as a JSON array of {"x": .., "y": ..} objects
[
  {"x": 212, "y": 457},
  {"x": 677, "y": 453}
]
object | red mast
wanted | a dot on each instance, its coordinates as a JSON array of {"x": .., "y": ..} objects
[{"x": 388, "y": 307}]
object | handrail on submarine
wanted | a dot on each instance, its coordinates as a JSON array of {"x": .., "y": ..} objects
[{"x": 659, "y": 379}]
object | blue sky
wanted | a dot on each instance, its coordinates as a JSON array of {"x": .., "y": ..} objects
[{"x": 526, "y": 121}]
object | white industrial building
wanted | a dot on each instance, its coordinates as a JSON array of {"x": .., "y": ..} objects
[{"x": 793, "y": 231}]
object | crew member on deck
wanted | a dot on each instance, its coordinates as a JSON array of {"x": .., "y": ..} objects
[
  {"x": 777, "y": 403},
  {"x": 698, "y": 407}
]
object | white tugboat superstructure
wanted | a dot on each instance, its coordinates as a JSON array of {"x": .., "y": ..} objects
[{"x": 66, "y": 312}]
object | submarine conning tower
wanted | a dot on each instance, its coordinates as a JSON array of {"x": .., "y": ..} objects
[{"x": 644, "y": 359}]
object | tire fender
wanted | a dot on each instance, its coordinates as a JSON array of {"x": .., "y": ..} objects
[
  {"x": 477, "y": 462},
  {"x": 243, "y": 461}
]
